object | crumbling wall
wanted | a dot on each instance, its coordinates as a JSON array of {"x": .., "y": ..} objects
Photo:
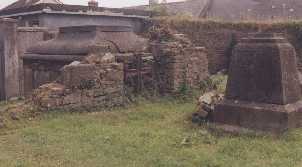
[
  {"x": 179, "y": 64},
  {"x": 87, "y": 84},
  {"x": 219, "y": 38},
  {"x": 28, "y": 37},
  {"x": 44, "y": 61},
  {"x": 37, "y": 73}
]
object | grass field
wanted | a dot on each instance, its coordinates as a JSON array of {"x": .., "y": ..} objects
[{"x": 148, "y": 134}]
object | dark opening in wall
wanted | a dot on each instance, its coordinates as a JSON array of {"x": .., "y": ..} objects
[{"x": 34, "y": 23}]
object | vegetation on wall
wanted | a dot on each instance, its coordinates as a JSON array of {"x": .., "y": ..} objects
[
  {"x": 183, "y": 23},
  {"x": 187, "y": 24},
  {"x": 201, "y": 32},
  {"x": 159, "y": 10}
]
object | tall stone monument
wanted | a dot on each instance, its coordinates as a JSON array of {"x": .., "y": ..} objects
[{"x": 263, "y": 91}]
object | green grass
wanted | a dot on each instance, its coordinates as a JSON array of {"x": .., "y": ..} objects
[{"x": 149, "y": 134}]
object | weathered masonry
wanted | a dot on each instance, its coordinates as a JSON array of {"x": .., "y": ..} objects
[
  {"x": 9, "y": 75},
  {"x": 90, "y": 66},
  {"x": 179, "y": 65},
  {"x": 263, "y": 91},
  {"x": 44, "y": 61},
  {"x": 37, "y": 21},
  {"x": 14, "y": 42}
]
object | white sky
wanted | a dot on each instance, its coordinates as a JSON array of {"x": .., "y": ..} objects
[{"x": 105, "y": 3}]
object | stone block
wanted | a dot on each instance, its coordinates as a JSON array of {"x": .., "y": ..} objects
[
  {"x": 79, "y": 76},
  {"x": 263, "y": 91},
  {"x": 259, "y": 116}
]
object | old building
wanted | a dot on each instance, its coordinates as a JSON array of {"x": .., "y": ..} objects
[
  {"x": 28, "y": 22},
  {"x": 44, "y": 61},
  {"x": 48, "y": 42},
  {"x": 55, "y": 14}
]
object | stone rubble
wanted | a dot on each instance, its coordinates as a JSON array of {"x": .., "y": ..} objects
[
  {"x": 99, "y": 79},
  {"x": 97, "y": 84},
  {"x": 205, "y": 107}
]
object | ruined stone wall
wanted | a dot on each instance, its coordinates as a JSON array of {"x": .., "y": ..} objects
[
  {"x": 9, "y": 74},
  {"x": 28, "y": 37},
  {"x": 219, "y": 46},
  {"x": 84, "y": 85},
  {"x": 36, "y": 73},
  {"x": 218, "y": 42},
  {"x": 219, "y": 38},
  {"x": 178, "y": 66}
]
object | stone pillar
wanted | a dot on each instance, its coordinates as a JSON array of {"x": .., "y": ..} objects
[
  {"x": 178, "y": 67},
  {"x": 27, "y": 37},
  {"x": 9, "y": 63},
  {"x": 263, "y": 91}
]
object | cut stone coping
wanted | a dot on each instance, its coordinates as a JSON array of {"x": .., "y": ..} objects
[
  {"x": 258, "y": 117},
  {"x": 67, "y": 58},
  {"x": 105, "y": 14}
]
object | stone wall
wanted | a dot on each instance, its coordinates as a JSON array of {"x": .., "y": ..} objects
[
  {"x": 28, "y": 37},
  {"x": 179, "y": 64},
  {"x": 39, "y": 72},
  {"x": 219, "y": 44},
  {"x": 84, "y": 85},
  {"x": 219, "y": 38},
  {"x": 14, "y": 43},
  {"x": 9, "y": 74},
  {"x": 43, "y": 61}
]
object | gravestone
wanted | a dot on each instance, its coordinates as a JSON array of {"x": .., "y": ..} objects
[{"x": 263, "y": 91}]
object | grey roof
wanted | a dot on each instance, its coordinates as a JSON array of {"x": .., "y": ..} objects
[
  {"x": 33, "y": 7},
  {"x": 27, "y": 3}
]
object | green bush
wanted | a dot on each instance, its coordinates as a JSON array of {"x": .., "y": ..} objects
[{"x": 159, "y": 10}]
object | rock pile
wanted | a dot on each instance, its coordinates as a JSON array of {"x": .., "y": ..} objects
[
  {"x": 205, "y": 107},
  {"x": 95, "y": 82}
]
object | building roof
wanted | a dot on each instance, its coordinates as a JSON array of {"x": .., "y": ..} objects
[
  {"x": 27, "y": 3},
  {"x": 39, "y": 7}
]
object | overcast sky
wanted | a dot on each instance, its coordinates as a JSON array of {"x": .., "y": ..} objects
[{"x": 105, "y": 3}]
